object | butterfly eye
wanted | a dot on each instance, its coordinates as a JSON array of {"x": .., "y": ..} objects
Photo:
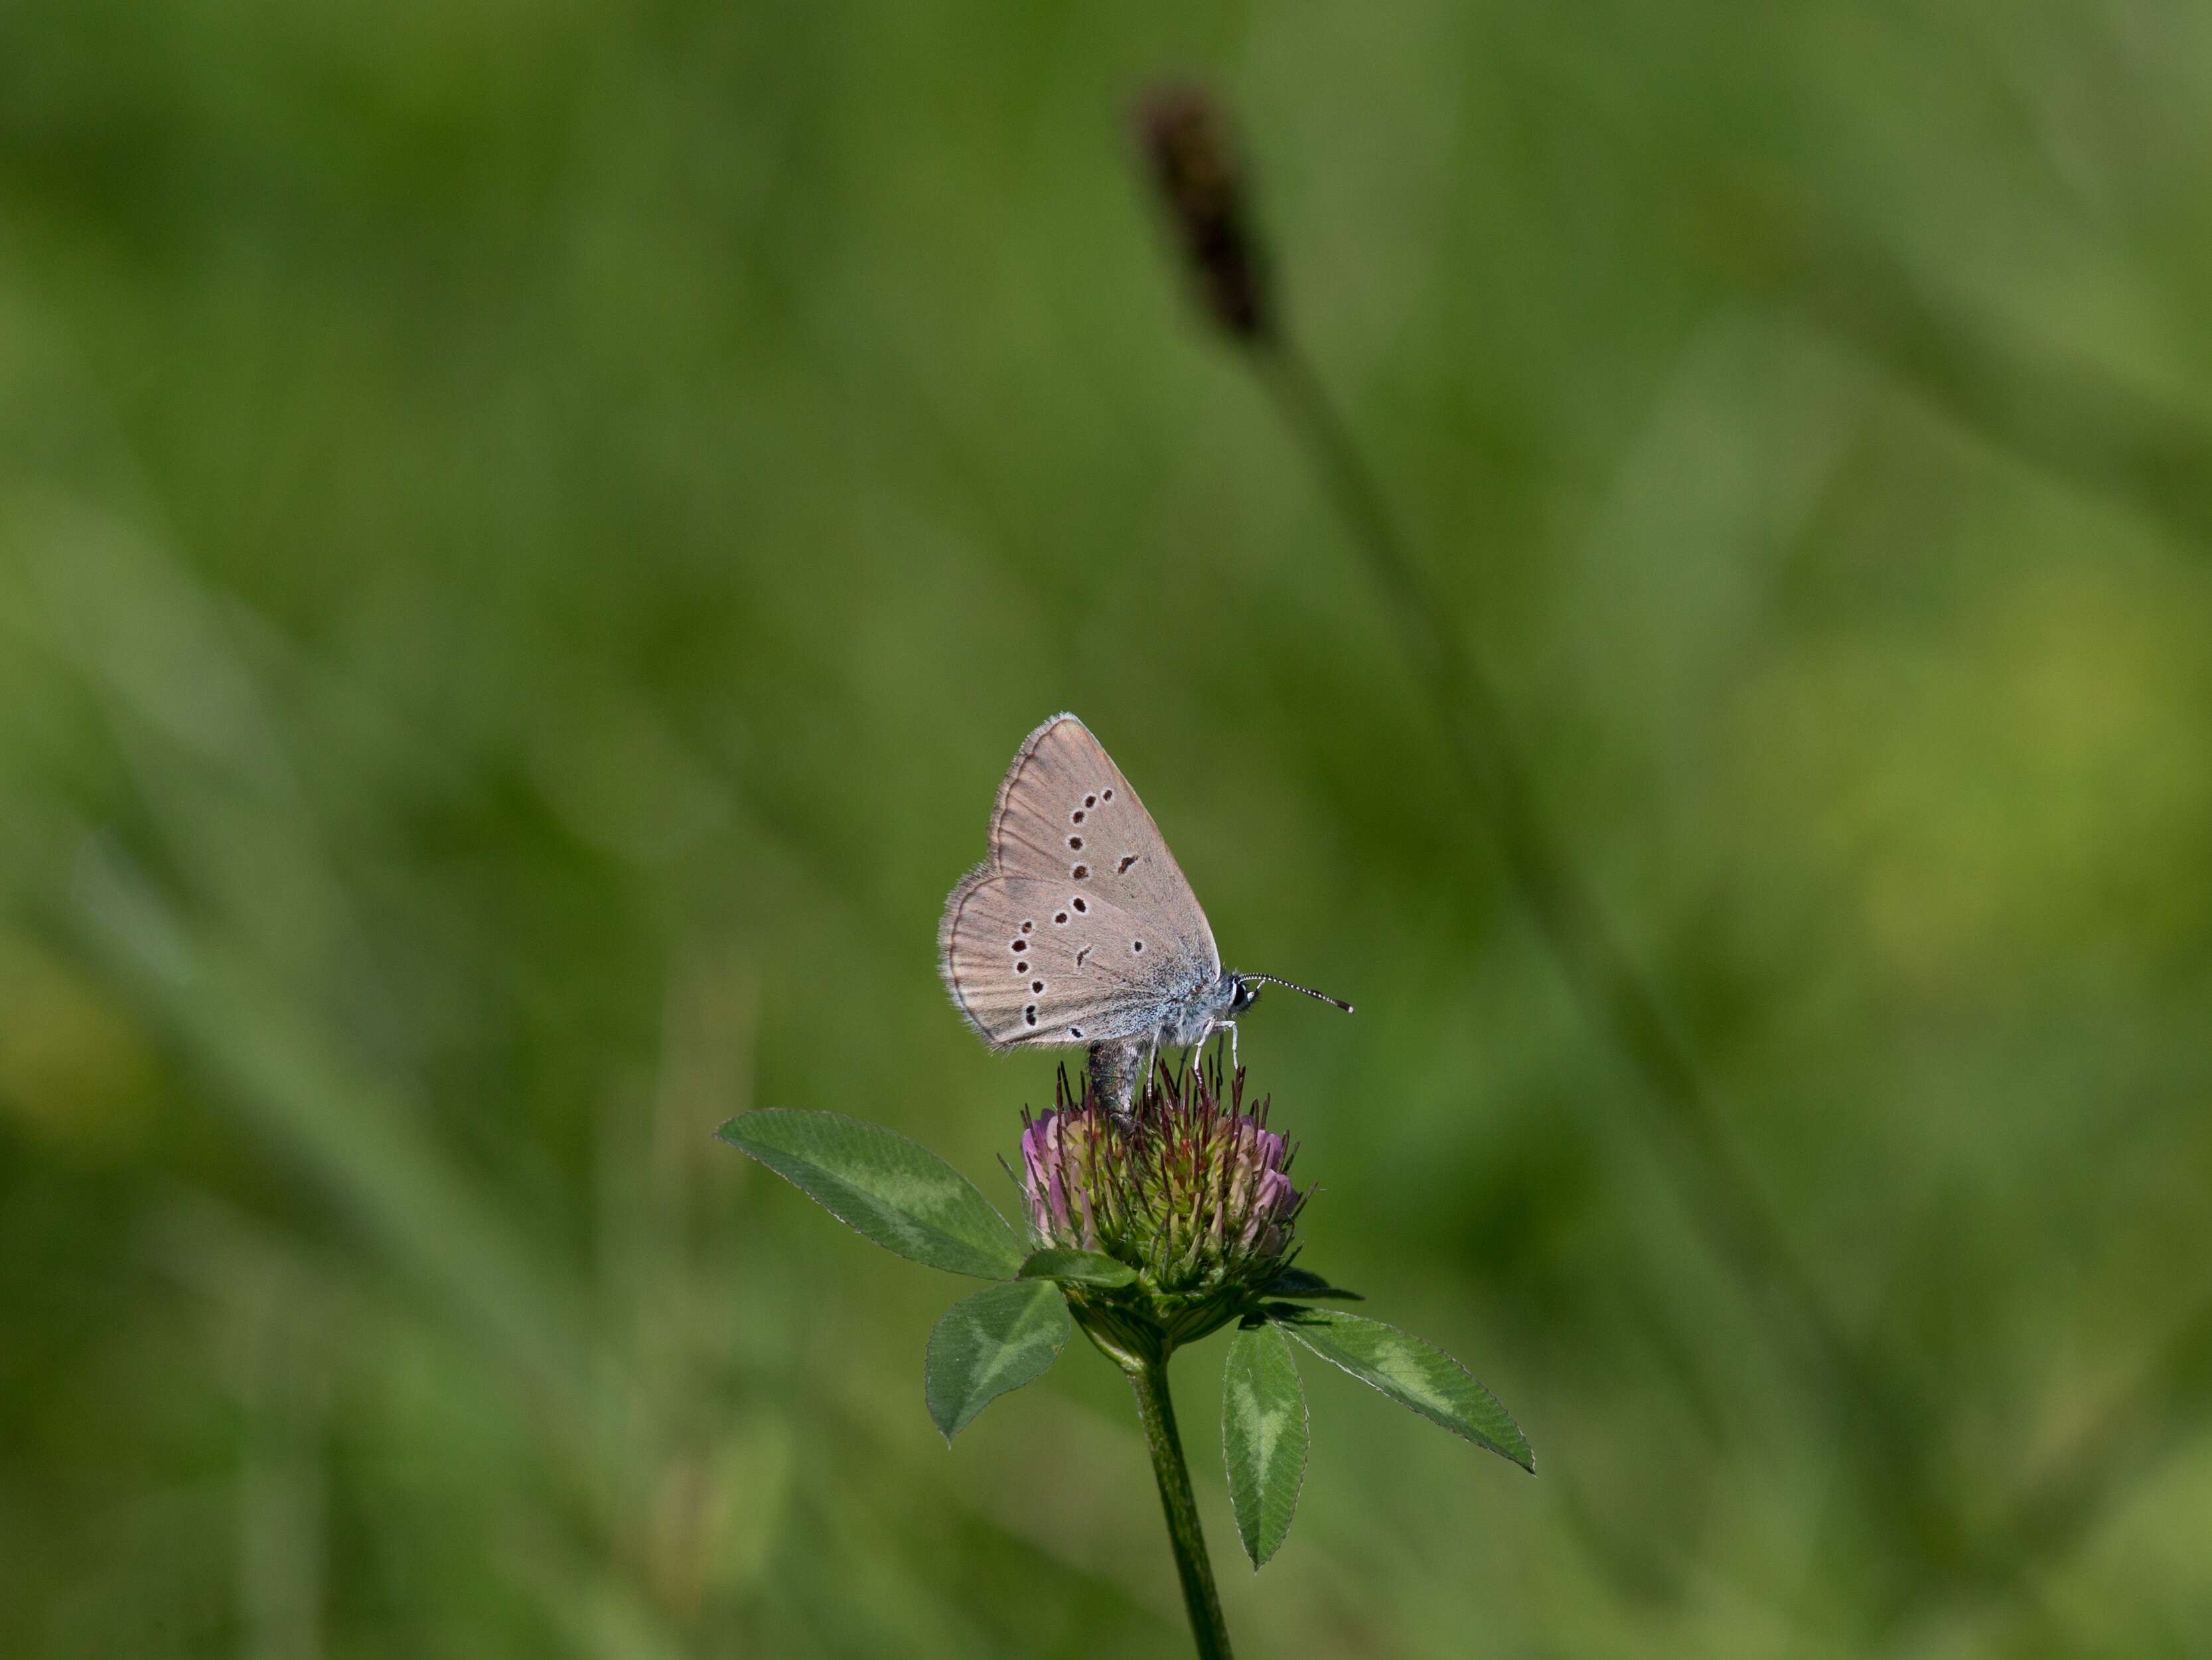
[
  {"x": 1075, "y": 842},
  {"x": 1108, "y": 796},
  {"x": 1030, "y": 1015},
  {"x": 1075, "y": 818},
  {"x": 1080, "y": 872},
  {"x": 1090, "y": 800},
  {"x": 1060, "y": 917},
  {"x": 1026, "y": 926}
]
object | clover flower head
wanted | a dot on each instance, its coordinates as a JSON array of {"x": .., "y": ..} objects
[{"x": 1188, "y": 1188}]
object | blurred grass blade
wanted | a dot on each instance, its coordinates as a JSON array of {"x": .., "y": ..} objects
[
  {"x": 357, "y": 1139},
  {"x": 988, "y": 1345},
  {"x": 1416, "y": 1374},
  {"x": 2061, "y": 412},
  {"x": 1263, "y": 1438},
  {"x": 883, "y": 1186},
  {"x": 1079, "y": 1267}
]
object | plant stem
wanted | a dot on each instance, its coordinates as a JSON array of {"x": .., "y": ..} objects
[
  {"x": 1723, "y": 1198},
  {"x": 1148, "y": 1378}
]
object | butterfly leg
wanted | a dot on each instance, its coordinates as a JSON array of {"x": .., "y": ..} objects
[
  {"x": 1227, "y": 1031},
  {"x": 1195, "y": 1057}
]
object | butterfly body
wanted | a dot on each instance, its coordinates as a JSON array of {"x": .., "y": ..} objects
[
  {"x": 1080, "y": 928},
  {"x": 1205, "y": 1010}
]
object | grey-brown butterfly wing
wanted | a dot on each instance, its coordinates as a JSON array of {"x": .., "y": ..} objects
[
  {"x": 1081, "y": 929},
  {"x": 1029, "y": 968}
]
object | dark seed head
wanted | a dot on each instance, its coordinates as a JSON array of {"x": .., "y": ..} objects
[{"x": 1201, "y": 185}]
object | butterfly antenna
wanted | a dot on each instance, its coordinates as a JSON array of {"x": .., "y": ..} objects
[{"x": 1292, "y": 985}]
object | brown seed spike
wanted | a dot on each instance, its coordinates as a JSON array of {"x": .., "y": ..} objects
[{"x": 1202, "y": 185}]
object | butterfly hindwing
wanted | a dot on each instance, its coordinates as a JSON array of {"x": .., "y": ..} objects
[{"x": 1027, "y": 966}]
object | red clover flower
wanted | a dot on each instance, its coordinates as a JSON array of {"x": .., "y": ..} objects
[{"x": 1150, "y": 1230}]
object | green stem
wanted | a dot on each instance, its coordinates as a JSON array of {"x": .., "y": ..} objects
[
  {"x": 1724, "y": 1199},
  {"x": 1148, "y": 1379}
]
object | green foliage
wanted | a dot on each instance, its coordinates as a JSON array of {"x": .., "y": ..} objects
[
  {"x": 1078, "y": 1268},
  {"x": 528, "y": 532},
  {"x": 989, "y": 1343},
  {"x": 885, "y": 1187},
  {"x": 1299, "y": 1286},
  {"x": 906, "y": 1199},
  {"x": 1263, "y": 1437},
  {"x": 994, "y": 1342},
  {"x": 1415, "y": 1374}
]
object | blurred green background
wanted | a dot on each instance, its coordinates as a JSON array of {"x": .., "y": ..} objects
[{"x": 529, "y": 532}]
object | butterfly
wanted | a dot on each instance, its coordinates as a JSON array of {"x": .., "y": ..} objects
[{"x": 1080, "y": 928}]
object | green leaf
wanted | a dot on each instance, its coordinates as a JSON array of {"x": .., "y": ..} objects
[
  {"x": 991, "y": 1343},
  {"x": 887, "y": 1188},
  {"x": 1263, "y": 1437},
  {"x": 1079, "y": 1267},
  {"x": 1298, "y": 1283},
  {"x": 1411, "y": 1372}
]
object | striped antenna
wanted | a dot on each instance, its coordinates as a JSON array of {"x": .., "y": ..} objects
[{"x": 1292, "y": 985}]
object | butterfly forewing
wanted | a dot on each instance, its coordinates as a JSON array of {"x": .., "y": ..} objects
[
  {"x": 1082, "y": 890},
  {"x": 1065, "y": 808}
]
